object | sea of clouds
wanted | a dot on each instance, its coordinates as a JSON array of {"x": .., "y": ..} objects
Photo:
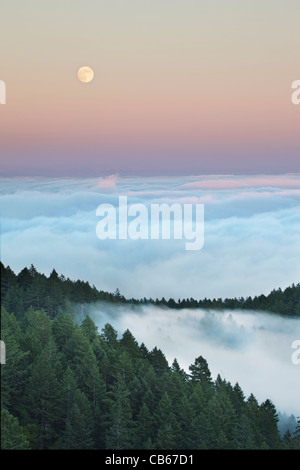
[
  {"x": 251, "y": 234},
  {"x": 251, "y": 246}
]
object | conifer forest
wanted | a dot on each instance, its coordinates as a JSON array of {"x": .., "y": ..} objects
[{"x": 66, "y": 384}]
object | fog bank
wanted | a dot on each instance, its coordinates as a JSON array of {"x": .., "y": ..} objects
[{"x": 251, "y": 348}]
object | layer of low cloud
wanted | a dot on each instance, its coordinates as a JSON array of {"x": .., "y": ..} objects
[{"x": 252, "y": 234}]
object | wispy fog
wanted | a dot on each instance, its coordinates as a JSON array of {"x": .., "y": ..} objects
[{"x": 251, "y": 348}]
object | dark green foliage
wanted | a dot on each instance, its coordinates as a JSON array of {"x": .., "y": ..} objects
[
  {"x": 43, "y": 402},
  {"x": 295, "y": 442},
  {"x": 158, "y": 361},
  {"x": 120, "y": 431},
  {"x": 79, "y": 424},
  {"x": 268, "y": 424},
  {"x": 144, "y": 427},
  {"x": 12, "y": 434},
  {"x": 166, "y": 424},
  {"x": 69, "y": 386},
  {"x": 62, "y": 328},
  {"x": 200, "y": 371},
  {"x": 56, "y": 293},
  {"x": 14, "y": 373}
]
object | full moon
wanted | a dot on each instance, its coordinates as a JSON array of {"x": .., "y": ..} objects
[{"x": 85, "y": 74}]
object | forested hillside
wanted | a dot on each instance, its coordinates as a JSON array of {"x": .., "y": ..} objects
[
  {"x": 69, "y": 386},
  {"x": 54, "y": 293}
]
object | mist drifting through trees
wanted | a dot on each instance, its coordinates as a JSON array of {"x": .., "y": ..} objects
[{"x": 92, "y": 370}]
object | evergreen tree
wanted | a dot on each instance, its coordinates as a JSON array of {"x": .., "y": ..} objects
[
  {"x": 145, "y": 352},
  {"x": 35, "y": 292},
  {"x": 129, "y": 343},
  {"x": 15, "y": 372},
  {"x": 80, "y": 356},
  {"x": 185, "y": 438},
  {"x": 90, "y": 329},
  {"x": 144, "y": 428},
  {"x": 8, "y": 280},
  {"x": 124, "y": 367},
  {"x": 200, "y": 422},
  {"x": 200, "y": 371},
  {"x": 12, "y": 434},
  {"x": 238, "y": 399},
  {"x": 43, "y": 398},
  {"x": 230, "y": 416},
  {"x": 244, "y": 438},
  {"x": 166, "y": 424},
  {"x": 68, "y": 388},
  {"x": 268, "y": 424},
  {"x": 176, "y": 368},
  {"x": 217, "y": 439},
  {"x": 37, "y": 332},
  {"x": 79, "y": 424},
  {"x": 13, "y": 301},
  {"x": 158, "y": 361},
  {"x": 62, "y": 328},
  {"x": 120, "y": 432},
  {"x": 110, "y": 336},
  {"x": 253, "y": 413},
  {"x": 24, "y": 279},
  {"x": 295, "y": 441}
]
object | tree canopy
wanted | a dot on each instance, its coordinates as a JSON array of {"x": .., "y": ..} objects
[
  {"x": 57, "y": 293},
  {"x": 67, "y": 385}
]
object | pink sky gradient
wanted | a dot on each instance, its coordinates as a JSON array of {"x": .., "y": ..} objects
[{"x": 187, "y": 88}]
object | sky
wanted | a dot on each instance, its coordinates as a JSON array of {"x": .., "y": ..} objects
[{"x": 180, "y": 88}]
